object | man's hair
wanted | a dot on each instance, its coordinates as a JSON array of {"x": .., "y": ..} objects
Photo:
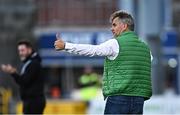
[
  {"x": 26, "y": 43},
  {"x": 124, "y": 17}
]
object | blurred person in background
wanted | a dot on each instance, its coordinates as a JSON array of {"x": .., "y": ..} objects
[
  {"x": 127, "y": 67},
  {"x": 89, "y": 84},
  {"x": 30, "y": 81}
]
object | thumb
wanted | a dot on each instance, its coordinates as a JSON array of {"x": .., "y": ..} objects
[
  {"x": 58, "y": 36},
  {"x": 3, "y": 66}
]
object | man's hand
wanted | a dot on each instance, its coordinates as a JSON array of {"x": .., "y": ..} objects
[
  {"x": 59, "y": 44},
  {"x": 8, "y": 69}
]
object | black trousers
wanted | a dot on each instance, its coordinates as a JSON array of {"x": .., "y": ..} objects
[{"x": 34, "y": 105}]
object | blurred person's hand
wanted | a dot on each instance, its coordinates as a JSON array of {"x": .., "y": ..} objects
[
  {"x": 59, "y": 44},
  {"x": 8, "y": 69}
]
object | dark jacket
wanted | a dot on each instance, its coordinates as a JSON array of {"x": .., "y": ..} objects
[{"x": 30, "y": 80}]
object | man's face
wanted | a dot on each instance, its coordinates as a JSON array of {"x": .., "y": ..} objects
[
  {"x": 117, "y": 27},
  {"x": 24, "y": 52}
]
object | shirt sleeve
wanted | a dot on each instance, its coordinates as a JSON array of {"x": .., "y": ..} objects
[{"x": 109, "y": 48}]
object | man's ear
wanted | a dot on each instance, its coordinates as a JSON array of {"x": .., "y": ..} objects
[
  {"x": 125, "y": 26},
  {"x": 30, "y": 50}
]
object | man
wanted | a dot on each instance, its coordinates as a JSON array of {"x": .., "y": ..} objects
[
  {"x": 127, "y": 66},
  {"x": 29, "y": 79},
  {"x": 89, "y": 84}
]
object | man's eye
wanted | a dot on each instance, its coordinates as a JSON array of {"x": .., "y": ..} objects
[{"x": 114, "y": 24}]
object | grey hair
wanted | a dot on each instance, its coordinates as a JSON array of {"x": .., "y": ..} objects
[{"x": 124, "y": 17}]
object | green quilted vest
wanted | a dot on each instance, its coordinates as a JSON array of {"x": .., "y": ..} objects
[{"x": 130, "y": 73}]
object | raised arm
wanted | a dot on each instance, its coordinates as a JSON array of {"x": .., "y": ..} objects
[{"x": 109, "y": 48}]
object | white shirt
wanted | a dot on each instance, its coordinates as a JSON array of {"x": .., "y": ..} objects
[{"x": 110, "y": 49}]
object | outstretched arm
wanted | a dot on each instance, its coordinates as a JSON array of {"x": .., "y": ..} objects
[
  {"x": 30, "y": 74},
  {"x": 10, "y": 70},
  {"x": 109, "y": 48}
]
